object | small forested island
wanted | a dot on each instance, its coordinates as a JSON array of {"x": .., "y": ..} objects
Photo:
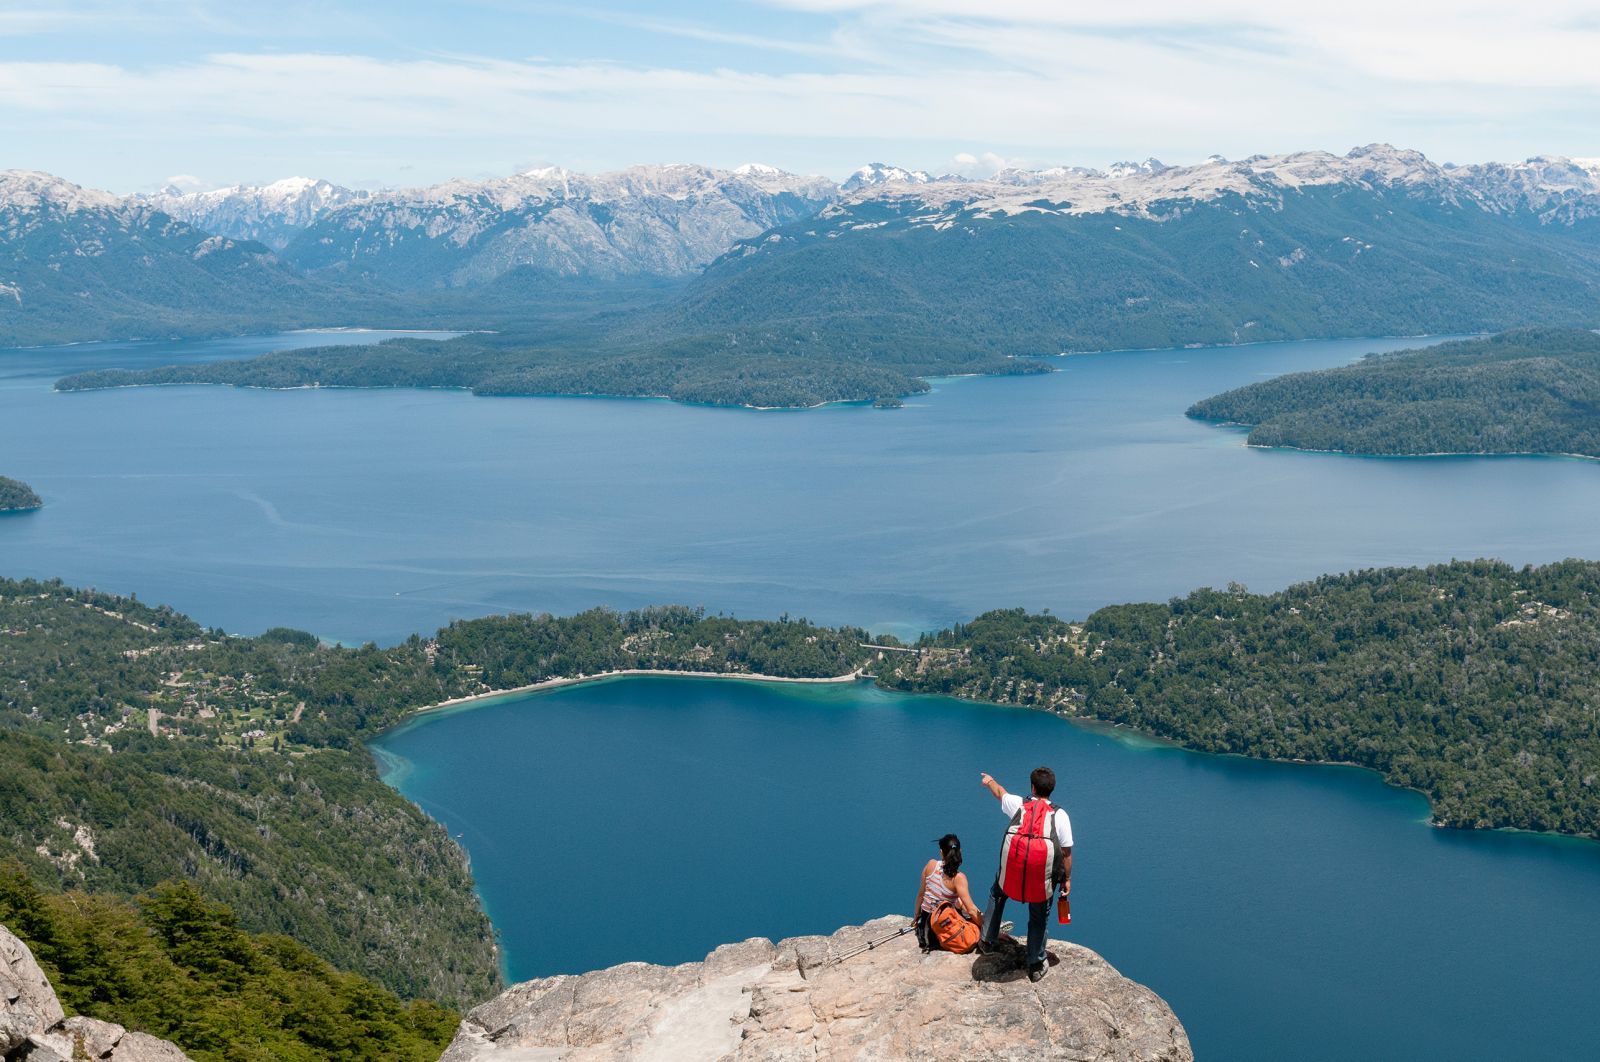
[
  {"x": 16, "y": 496},
  {"x": 773, "y": 373},
  {"x": 143, "y": 749},
  {"x": 1528, "y": 391}
]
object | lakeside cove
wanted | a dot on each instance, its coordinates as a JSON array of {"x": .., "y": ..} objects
[{"x": 1193, "y": 869}]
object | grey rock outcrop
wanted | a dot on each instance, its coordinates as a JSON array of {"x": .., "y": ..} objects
[
  {"x": 775, "y": 1002},
  {"x": 33, "y": 1028}
]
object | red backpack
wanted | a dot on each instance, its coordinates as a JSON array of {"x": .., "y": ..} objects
[{"x": 1029, "y": 852}]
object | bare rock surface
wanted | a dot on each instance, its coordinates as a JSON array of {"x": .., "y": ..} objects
[
  {"x": 33, "y": 1028},
  {"x": 800, "y": 1000}
]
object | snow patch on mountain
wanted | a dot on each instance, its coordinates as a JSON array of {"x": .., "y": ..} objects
[
  {"x": 31, "y": 190},
  {"x": 1554, "y": 189},
  {"x": 668, "y": 220},
  {"x": 874, "y": 174},
  {"x": 272, "y": 214}
]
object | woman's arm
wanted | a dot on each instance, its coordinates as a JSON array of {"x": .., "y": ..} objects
[
  {"x": 922, "y": 888},
  {"x": 968, "y": 908}
]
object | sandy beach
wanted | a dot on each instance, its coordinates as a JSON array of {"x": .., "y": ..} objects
[{"x": 556, "y": 683}]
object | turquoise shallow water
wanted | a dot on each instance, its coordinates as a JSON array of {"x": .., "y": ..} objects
[{"x": 1285, "y": 911}]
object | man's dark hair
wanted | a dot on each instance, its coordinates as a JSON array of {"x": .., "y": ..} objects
[{"x": 1044, "y": 781}]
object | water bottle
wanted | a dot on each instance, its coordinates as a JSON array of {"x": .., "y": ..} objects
[{"x": 1063, "y": 910}]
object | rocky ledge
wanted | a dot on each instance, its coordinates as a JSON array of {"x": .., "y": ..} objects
[
  {"x": 759, "y": 1000},
  {"x": 33, "y": 1027}
]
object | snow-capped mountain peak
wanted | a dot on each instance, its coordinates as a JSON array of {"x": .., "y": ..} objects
[
  {"x": 35, "y": 189},
  {"x": 875, "y": 173},
  {"x": 271, "y": 213},
  {"x": 1133, "y": 169},
  {"x": 1551, "y": 188}
]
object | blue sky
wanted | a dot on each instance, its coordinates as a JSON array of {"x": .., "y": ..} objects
[{"x": 128, "y": 95}]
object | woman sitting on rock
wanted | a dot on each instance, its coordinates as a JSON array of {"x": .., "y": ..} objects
[{"x": 943, "y": 883}]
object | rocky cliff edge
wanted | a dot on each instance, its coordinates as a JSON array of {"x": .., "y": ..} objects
[
  {"x": 33, "y": 1028},
  {"x": 759, "y": 1000}
]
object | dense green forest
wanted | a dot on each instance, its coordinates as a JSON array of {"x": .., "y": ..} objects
[
  {"x": 181, "y": 968},
  {"x": 95, "y": 668},
  {"x": 1474, "y": 682},
  {"x": 16, "y": 496},
  {"x": 314, "y": 846},
  {"x": 1534, "y": 390}
]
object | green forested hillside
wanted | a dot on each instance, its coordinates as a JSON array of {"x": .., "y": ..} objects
[
  {"x": 141, "y": 748},
  {"x": 1475, "y": 682},
  {"x": 79, "y": 270},
  {"x": 877, "y": 276},
  {"x": 110, "y": 672},
  {"x": 314, "y": 846},
  {"x": 1534, "y": 390},
  {"x": 16, "y": 496},
  {"x": 180, "y": 968}
]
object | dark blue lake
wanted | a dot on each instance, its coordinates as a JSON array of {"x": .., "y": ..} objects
[
  {"x": 373, "y": 514},
  {"x": 1285, "y": 911}
]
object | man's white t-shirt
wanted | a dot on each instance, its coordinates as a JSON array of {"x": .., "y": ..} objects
[{"x": 1011, "y": 803}]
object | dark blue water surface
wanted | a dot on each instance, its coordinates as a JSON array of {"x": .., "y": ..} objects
[
  {"x": 373, "y": 514},
  {"x": 1285, "y": 911}
]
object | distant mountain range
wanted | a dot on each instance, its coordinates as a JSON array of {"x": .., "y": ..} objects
[
  {"x": 1377, "y": 242},
  {"x": 1028, "y": 261},
  {"x": 664, "y": 221},
  {"x": 77, "y": 264},
  {"x": 272, "y": 214}
]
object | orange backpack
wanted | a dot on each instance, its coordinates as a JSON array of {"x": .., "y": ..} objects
[{"x": 951, "y": 930}]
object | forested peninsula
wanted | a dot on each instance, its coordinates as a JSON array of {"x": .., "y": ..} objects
[
  {"x": 17, "y": 496},
  {"x": 766, "y": 371},
  {"x": 1528, "y": 391},
  {"x": 143, "y": 749}
]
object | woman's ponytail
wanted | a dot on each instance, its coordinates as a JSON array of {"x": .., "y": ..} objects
[{"x": 950, "y": 850}]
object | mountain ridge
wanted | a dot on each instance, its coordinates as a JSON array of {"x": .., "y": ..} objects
[{"x": 1377, "y": 241}]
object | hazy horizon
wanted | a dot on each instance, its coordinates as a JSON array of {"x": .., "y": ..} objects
[{"x": 133, "y": 95}]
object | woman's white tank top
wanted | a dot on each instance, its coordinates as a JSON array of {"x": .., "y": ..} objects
[{"x": 937, "y": 890}]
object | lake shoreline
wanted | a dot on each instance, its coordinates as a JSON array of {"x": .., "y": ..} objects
[
  {"x": 577, "y": 680},
  {"x": 1090, "y": 723}
]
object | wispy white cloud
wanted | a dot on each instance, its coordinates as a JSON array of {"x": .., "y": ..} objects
[
  {"x": 994, "y": 80},
  {"x": 186, "y": 182}
]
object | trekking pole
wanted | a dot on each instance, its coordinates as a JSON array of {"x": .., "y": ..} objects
[{"x": 853, "y": 952}]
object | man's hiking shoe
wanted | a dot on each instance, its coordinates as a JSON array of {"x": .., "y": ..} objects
[{"x": 1036, "y": 973}]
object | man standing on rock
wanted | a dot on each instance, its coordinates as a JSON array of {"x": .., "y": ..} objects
[{"x": 1035, "y": 814}]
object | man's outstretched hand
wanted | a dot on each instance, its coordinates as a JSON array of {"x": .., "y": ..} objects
[
  {"x": 992, "y": 786},
  {"x": 985, "y": 780}
]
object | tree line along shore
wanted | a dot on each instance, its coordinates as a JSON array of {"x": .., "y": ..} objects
[
  {"x": 1526, "y": 391},
  {"x": 17, "y": 496},
  {"x": 146, "y": 748}
]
